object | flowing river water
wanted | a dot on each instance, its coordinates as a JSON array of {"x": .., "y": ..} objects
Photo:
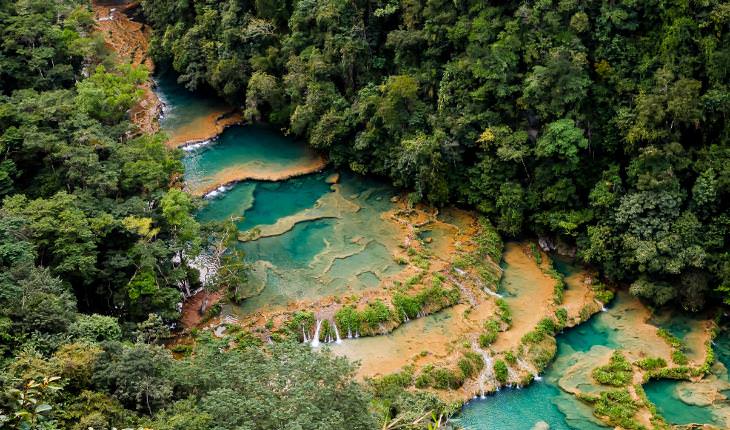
[{"x": 310, "y": 233}]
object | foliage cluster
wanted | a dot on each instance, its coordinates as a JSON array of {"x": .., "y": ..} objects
[
  {"x": 602, "y": 124},
  {"x": 618, "y": 372}
]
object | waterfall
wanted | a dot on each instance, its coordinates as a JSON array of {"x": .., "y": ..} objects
[
  {"x": 487, "y": 374},
  {"x": 315, "y": 339},
  {"x": 405, "y": 317},
  {"x": 304, "y": 335},
  {"x": 603, "y": 307},
  {"x": 535, "y": 376},
  {"x": 337, "y": 334},
  {"x": 492, "y": 293},
  {"x": 349, "y": 333},
  {"x": 513, "y": 376},
  {"x": 357, "y": 334}
]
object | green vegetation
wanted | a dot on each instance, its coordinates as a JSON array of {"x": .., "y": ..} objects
[
  {"x": 95, "y": 240},
  {"x": 536, "y": 254},
  {"x": 470, "y": 364},
  {"x": 485, "y": 258},
  {"x": 602, "y": 124},
  {"x": 603, "y": 294},
  {"x": 426, "y": 301},
  {"x": 376, "y": 315},
  {"x": 651, "y": 363},
  {"x": 561, "y": 314},
  {"x": 489, "y": 335},
  {"x": 546, "y": 327},
  {"x": 440, "y": 378},
  {"x": 618, "y": 372},
  {"x": 526, "y": 111},
  {"x": 500, "y": 371},
  {"x": 617, "y": 407},
  {"x": 671, "y": 339},
  {"x": 678, "y": 355},
  {"x": 503, "y": 312}
]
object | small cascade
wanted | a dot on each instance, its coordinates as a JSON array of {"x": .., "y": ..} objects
[
  {"x": 338, "y": 340},
  {"x": 603, "y": 307},
  {"x": 405, "y": 317},
  {"x": 218, "y": 191},
  {"x": 315, "y": 339},
  {"x": 487, "y": 374},
  {"x": 523, "y": 365},
  {"x": 304, "y": 335},
  {"x": 193, "y": 146},
  {"x": 357, "y": 334},
  {"x": 512, "y": 376},
  {"x": 349, "y": 333},
  {"x": 492, "y": 293}
]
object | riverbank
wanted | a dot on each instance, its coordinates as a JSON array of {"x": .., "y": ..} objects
[{"x": 130, "y": 41}]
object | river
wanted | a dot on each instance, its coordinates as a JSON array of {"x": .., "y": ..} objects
[{"x": 311, "y": 232}]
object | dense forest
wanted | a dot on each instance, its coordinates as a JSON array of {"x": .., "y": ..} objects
[
  {"x": 602, "y": 124},
  {"x": 595, "y": 124},
  {"x": 94, "y": 237}
]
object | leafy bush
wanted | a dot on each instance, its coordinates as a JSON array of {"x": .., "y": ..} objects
[
  {"x": 440, "y": 378},
  {"x": 348, "y": 320},
  {"x": 402, "y": 379},
  {"x": 302, "y": 320},
  {"x": 470, "y": 364},
  {"x": 562, "y": 316},
  {"x": 617, "y": 372},
  {"x": 500, "y": 371},
  {"x": 546, "y": 327},
  {"x": 503, "y": 311},
  {"x": 651, "y": 363},
  {"x": 406, "y": 306},
  {"x": 601, "y": 292},
  {"x": 96, "y": 328},
  {"x": 618, "y": 407},
  {"x": 374, "y": 314},
  {"x": 491, "y": 330},
  {"x": 679, "y": 357}
]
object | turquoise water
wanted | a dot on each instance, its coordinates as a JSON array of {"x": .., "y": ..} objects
[
  {"x": 664, "y": 393},
  {"x": 722, "y": 347},
  {"x": 263, "y": 203},
  {"x": 321, "y": 240},
  {"x": 182, "y": 107},
  {"x": 344, "y": 253},
  {"x": 274, "y": 200},
  {"x": 293, "y": 250},
  {"x": 542, "y": 400},
  {"x": 258, "y": 150},
  {"x": 234, "y": 203},
  {"x": 350, "y": 252}
]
